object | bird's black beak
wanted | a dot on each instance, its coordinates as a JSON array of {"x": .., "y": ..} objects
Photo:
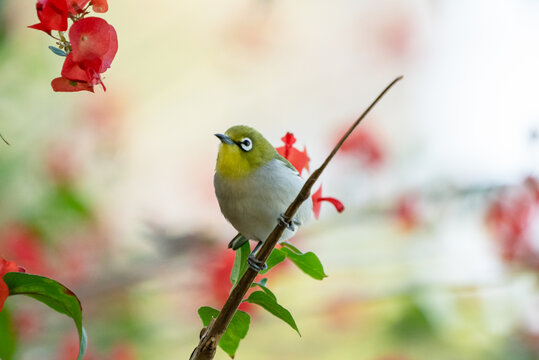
[{"x": 224, "y": 139}]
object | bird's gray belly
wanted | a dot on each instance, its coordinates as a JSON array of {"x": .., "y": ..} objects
[{"x": 253, "y": 205}]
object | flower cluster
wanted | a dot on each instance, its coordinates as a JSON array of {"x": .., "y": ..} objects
[
  {"x": 300, "y": 161},
  {"x": 91, "y": 44}
]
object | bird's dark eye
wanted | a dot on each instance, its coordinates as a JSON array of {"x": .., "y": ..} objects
[{"x": 246, "y": 144}]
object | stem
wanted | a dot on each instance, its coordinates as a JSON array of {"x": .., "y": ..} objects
[
  {"x": 1, "y": 137},
  {"x": 208, "y": 341}
]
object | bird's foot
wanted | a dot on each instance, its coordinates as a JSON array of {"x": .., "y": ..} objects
[
  {"x": 256, "y": 264},
  {"x": 289, "y": 224}
]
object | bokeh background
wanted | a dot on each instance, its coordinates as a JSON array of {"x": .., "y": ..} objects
[{"x": 437, "y": 253}]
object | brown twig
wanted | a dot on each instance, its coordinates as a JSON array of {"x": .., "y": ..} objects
[
  {"x": 208, "y": 342},
  {"x": 1, "y": 137}
]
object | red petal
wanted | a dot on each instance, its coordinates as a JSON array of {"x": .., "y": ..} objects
[
  {"x": 76, "y": 6},
  {"x": 65, "y": 85},
  {"x": 5, "y": 267},
  {"x": 298, "y": 159},
  {"x": 94, "y": 42},
  {"x": 100, "y": 6},
  {"x": 52, "y": 15},
  {"x": 113, "y": 48},
  {"x": 337, "y": 203},
  {"x": 317, "y": 202},
  {"x": 72, "y": 70}
]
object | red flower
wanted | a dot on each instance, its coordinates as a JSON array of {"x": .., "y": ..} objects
[
  {"x": 94, "y": 44},
  {"x": 298, "y": 159},
  {"x": 317, "y": 202},
  {"x": 100, "y": 6},
  {"x": 5, "y": 267},
  {"x": 52, "y": 15}
]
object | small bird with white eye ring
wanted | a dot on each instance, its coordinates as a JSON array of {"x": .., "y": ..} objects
[{"x": 254, "y": 185}]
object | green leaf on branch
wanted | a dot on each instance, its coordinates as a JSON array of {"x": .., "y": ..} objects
[
  {"x": 276, "y": 257},
  {"x": 309, "y": 263},
  {"x": 51, "y": 293},
  {"x": 236, "y": 330},
  {"x": 270, "y": 304},
  {"x": 262, "y": 285},
  {"x": 291, "y": 247},
  {"x": 240, "y": 263}
]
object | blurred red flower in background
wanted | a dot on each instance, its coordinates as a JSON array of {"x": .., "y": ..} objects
[
  {"x": 52, "y": 15},
  {"x": 23, "y": 246},
  {"x": 94, "y": 44},
  {"x": 364, "y": 145},
  {"x": 218, "y": 277},
  {"x": 513, "y": 217},
  {"x": 5, "y": 267},
  {"x": 407, "y": 212}
]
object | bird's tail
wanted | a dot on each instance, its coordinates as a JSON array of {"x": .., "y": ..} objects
[{"x": 237, "y": 242}]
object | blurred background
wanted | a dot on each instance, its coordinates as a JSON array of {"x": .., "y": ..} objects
[{"x": 436, "y": 255}]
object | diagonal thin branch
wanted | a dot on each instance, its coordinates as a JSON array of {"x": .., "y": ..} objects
[
  {"x": 1, "y": 137},
  {"x": 209, "y": 340}
]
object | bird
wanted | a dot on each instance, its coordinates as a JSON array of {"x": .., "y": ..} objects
[{"x": 254, "y": 185}]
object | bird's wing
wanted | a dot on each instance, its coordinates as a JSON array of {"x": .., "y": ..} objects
[{"x": 287, "y": 163}]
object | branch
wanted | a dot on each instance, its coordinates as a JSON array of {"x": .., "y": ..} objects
[
  {"x": 1, "y": 137},
  {"x": 209, "y": 340}
]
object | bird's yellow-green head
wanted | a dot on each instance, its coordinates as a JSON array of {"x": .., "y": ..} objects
[{"x": 242, "y": 151}]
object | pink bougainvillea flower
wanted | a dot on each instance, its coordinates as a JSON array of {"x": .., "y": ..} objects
[
  {"x": 317, "y": 202},
  {"x": 297, "y": 158},
  {"x": 94, "y": 44},
  {"x": 100, "y": 6},
  {"x": 52, "y": 15},
  {"x": 5, "y": 267}
]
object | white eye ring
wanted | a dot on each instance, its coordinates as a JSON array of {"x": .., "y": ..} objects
[{"x": 246, "y": 144}]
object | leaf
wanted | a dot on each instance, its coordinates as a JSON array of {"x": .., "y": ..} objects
[
  {"x": 270, "y": 304},
  {"x": 262, "y": 285},
  {"x": 292, "y": 247},
  {"x": 240, "y": 263},
  {"x": 57, "y": 51},
  {"x": 236, "y": 330},
  {"x": 308, "y": 263},
  {"x": 276, "y": 257},
  {"x": 51, "y": 293},
  {"x": 8, "y": 339}
]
